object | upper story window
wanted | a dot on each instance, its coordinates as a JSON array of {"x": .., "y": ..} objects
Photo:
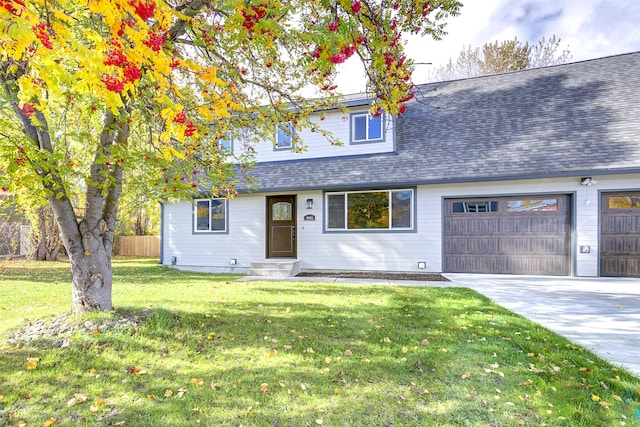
[
  {"x": 370, "y": 210},
  {"x": 366, "y": 128},
  {"x": 284, "y": 136},
  {"x": 210, "y": 216},
  {"x": 226, "y": 144}
]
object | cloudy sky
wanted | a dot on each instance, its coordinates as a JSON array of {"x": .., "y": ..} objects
[{"x": 587, "y": 28}]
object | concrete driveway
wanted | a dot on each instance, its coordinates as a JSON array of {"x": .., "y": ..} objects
[{"x": 600, "y": 314}]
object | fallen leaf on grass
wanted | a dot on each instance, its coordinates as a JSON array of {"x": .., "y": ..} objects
[
  {"x": 77, "y": 398},
  {"x": 595, "y": 398},
  {"x": 466, "y": 375},
  {"x": 32, "y": 363},
  {"x": 197, "y": 381},
  {"x": 348, "y": 353},
  {"x": 168, "y": 393},
  {"x": 49, "y": 422}
]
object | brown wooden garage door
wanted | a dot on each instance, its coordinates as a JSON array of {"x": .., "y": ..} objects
[
  {"x": 620, "y": 234},
  {"x": 510, "y": 235}
]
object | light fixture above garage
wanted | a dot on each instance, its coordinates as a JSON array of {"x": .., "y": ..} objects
[{"x": 588, "y": 181}]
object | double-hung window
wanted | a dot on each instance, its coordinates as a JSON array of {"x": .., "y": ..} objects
[
  {"x": 210, "y": 216},
  {"x": 370, "y": 210},
  {"x": 284, "y": 136},
  {"x": 367, "y": 128}
]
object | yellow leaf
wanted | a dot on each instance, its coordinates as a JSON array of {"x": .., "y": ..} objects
[
  {"x": 615, "y": 397},
  {"x": 49, "y": 422},
  {"x": 197, "y": 381},
  {"x": 337, "y": 390},
  {"x": 466, "y": 375},
  {"x": 264, "y": 387},
  {"x": 327, "y": 360},
  {"x": 93, "y": 408},
  {"x": 168, "y": 393},
  {"x": 319, "y": 421},
  {"x": 32, "y": 363},
  {"x": 405, "y": 349},
  {"x": 595, "y": 398},
  {"x": 205, "y": 113},
  {"x": 273, "y": 352},
  {"x": 120, "y": 423}
]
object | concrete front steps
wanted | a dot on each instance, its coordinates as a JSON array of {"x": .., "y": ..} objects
[{"x": 280, "y": 269}]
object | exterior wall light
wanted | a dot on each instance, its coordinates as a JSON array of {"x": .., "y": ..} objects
[
  {"x": 233, "y": 261},
  {"x": 422, "y": 265},
  {"x": 174, "y": 260},
  {"x": 309, "y": 203},
  {"x": 588, "y": 181}
]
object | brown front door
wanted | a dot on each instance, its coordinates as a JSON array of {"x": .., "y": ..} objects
[{"x": 281, "y": 227}]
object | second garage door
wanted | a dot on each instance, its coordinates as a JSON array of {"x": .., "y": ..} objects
[
  {"x": 508, "y": 235},
  {"x": 620, "y": 234}
]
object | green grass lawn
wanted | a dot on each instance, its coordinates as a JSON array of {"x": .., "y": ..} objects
[{"x": 214, "y": 351}]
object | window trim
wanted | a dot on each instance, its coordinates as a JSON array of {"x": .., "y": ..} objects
[
  {"x": 290, "y": 128},
  {"x": 194, "y": 216},
  {"x": 368, "y": 140},
  {"x": 390, "y": 229}
]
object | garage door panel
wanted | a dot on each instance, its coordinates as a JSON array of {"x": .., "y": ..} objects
[
  {"x": 614, "y": 223},
  {"x": 474, "y": 263},
  {"x": 514, "y": 235},
  {"x": 621, "y": 245},
  {"x": 474, "y": 226},
  {"x": 536, "y": 265},
  {"x": 534, "y": 245},
  {"x": 545, "y": 224},
  {"x": 620, "y": 234},
  {"x": 487, "y": 245}
]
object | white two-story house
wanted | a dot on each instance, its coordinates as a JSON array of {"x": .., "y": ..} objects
[{"x": 531, "y": 172}]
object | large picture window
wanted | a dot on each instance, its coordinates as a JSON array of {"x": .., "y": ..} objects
[
  {"x": 366, "y": 128},
  {"x": 370, "y": 210},
  {"x": 210, "y": 216}
]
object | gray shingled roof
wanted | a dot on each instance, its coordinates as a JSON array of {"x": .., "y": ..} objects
[{"x": 572, "y": 119}]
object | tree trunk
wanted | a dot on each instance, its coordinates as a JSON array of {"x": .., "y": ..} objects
[
  {"x": 45, "y": 236},
  {"x": 91, "y": 273}
]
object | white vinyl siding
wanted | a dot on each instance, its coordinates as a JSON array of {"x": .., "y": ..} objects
[
  {"x": 321, "y": 250},
  {"x": 315, "y": 145}
]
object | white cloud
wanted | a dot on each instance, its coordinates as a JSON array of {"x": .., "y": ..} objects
[{"x": 587, "y": 28}]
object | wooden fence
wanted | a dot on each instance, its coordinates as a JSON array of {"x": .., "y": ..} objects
[{"x": 148, "y": 246}]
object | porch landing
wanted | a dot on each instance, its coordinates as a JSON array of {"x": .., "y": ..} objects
[{"x": 275, "y": 268}]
